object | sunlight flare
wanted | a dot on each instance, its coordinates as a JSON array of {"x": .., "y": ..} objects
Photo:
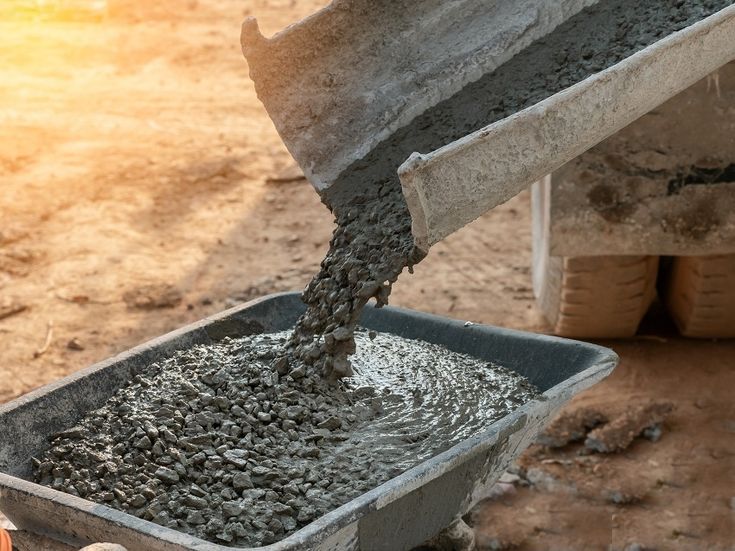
[{"x": 52, "y": 9}]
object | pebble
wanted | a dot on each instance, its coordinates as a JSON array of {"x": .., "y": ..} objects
[
  {"x": 232, "y": 508},
  {"x": 167, "y": 475},
  {"x": 331, "y": 423},
  {"x": 242, "y": 481},
  {"x": 653, "y": 433},
  {"x": 137, "y": 501},
  {"x": 541, "y": 479},
  {"x": 195, "y": 518},
  {"x": 196, "y": 502},
  {"x": 298, "y": 372},
  {"x": 72, "y": 433},
  {"x": 75, "y": 344},
  {"x": 236, "y": 457},
  {"x": 144, "y": 443}
]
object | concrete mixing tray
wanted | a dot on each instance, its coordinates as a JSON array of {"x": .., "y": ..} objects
[{"x": 397, "y": 515}]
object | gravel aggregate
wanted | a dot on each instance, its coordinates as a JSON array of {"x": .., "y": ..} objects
[{"x": 215, "y": 443}]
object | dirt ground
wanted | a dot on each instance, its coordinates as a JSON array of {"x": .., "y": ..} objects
[{"x": 142, "y": 187}]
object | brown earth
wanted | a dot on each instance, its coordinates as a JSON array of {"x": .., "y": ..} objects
[{"x": 142, "y": 187}]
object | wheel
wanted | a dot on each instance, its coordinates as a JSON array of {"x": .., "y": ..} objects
[
  {"x": 700, "y": 295},
  {"x": 589, "y": 297}
]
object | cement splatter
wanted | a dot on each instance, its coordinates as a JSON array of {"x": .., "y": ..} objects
[
  {"x": 214, "y": 443},
  {"x": 372, "y": 243}
]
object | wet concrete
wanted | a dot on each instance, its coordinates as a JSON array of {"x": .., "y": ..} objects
[
  {"x": 214, "y": 443},
  {"x": 372, "y": 243}
]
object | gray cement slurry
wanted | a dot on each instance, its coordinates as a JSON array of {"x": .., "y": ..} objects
[
  {"x": 214, "y": 443},
  {"x": 373, "y": 243}
]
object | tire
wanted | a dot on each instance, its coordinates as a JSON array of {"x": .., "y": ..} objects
[
  {"x": 700, "y": 295},
  {"x": 588, "y": 297}
]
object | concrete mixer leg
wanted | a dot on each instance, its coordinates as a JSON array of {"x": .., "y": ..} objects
[{"x": 700, "y": 294}]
